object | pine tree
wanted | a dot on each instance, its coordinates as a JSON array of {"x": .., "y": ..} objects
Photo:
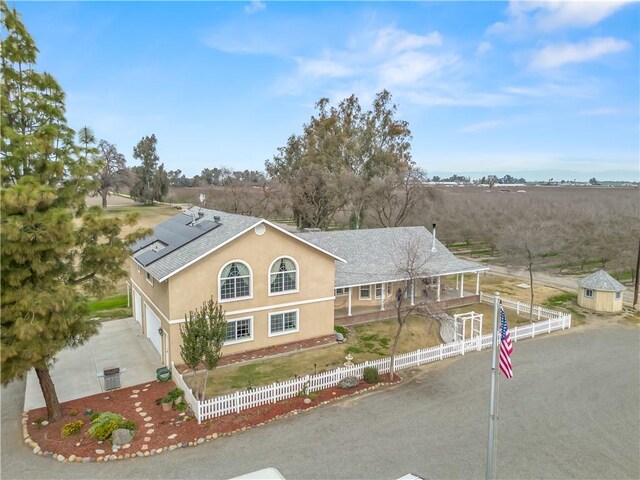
[{"x": 55, "y": 251}]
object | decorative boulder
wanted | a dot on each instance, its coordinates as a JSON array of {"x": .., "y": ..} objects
[
  {"x": 121, "y": 436},
  {"x": 339, "y": 337},
  {"x": 348, "y": 382}
]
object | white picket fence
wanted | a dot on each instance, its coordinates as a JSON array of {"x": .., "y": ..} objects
[{"x": 249, "y": 398}]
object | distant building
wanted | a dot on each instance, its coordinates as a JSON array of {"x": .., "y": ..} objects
[{"x": 600, "y": 292}]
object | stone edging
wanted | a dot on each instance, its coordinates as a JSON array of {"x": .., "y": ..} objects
[{"x": 148, "y": 453}]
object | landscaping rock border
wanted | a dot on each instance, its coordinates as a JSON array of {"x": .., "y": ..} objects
[{"x": 149, "y": 452}]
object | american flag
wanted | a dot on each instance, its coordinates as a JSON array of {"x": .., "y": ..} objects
[{"x": 506, "y": 347}]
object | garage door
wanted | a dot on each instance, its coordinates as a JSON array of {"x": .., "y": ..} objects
[
  {"x": 153, "y": 324},
  {"x": 137, "y": 307}
]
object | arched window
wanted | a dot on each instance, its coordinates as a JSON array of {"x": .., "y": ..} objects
[
  {"x": 283, "y": 276},
  {"x": 235, "y": 281}
]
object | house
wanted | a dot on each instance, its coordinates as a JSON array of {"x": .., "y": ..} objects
[
  {"x": 276, "y": 287},
  {"x": 600, "y": 292}
]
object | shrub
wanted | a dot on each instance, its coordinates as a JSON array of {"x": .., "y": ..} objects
[
  {"x": 104, "y": 425},
  {"x": 348, "y": 382},
  {"x": 72, "y": 428},
  {"x": 94, "y": 415},
  {"x": 371, "y": 375},
  {"x": 175, "y": 393},
  {"x": 128, "y": 424},
  {"x": 73, "y": 412},
  {"x": 167, "y": 399},
  {"x": 181, "y": 407}
]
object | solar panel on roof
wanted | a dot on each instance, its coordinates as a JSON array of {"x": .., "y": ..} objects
[{"x": 173, "y": 233}]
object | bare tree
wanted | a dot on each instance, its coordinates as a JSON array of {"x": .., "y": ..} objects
[
  {"x": 397, "y": 195},
  {"x": 112, "y": 172},
  {"x": 411, "y": 260}
]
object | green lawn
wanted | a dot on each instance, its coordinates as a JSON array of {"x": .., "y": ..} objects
[
  {"x": 364, "y": 342},
  {"x": 110, "y": 307}
]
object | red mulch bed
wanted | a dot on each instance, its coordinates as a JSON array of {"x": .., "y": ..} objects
[{"x": 154, "y": 438}]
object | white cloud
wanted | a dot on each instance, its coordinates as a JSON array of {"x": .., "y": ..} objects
[
  {"x": 552, "y": 15},
  {"x": 480, "y": 127},
  {"x": 254, "y": 7},
  {"x": 554, "y": 56},
  {"x": 318, "y": 68},
  {"x": 483, "y": 48},
  {"x": 393, "y": 40},
  {"x": 600, "y": 112},
  {"x": 373, "y": 60}
]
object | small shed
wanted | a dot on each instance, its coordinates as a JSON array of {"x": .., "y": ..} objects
[{"x": 600, "y": 292}]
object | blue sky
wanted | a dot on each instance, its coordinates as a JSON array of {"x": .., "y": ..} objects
[{"x": 535, "y": 89}]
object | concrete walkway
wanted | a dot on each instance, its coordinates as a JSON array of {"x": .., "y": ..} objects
[{"x": 75, "y": 373}]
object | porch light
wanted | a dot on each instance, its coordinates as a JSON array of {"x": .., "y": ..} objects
[{"x": 160, "y": 331}]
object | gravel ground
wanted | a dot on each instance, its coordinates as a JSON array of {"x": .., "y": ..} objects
[{"x": 571, "y": 411}]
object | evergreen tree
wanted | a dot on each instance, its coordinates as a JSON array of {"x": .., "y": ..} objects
[
  {"x": 153, "y": 182},
  {"x": 51, "y": 262}
]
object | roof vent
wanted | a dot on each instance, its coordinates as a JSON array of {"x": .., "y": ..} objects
[
  {"x": 200, "y": 214},
  {"x": 216, "y": 218},
  {"x": 433, "y": 243}
]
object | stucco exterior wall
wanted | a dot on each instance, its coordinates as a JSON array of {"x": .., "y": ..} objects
[
  {"x": 156, "y": 295},
  {"x": 601, "y": 301},
  {"x": 189, "y": 288}
]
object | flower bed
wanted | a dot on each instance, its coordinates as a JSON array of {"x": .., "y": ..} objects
[{"x": 157, "y": 431}]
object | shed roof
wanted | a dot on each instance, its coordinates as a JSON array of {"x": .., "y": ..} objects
[
  {"x": 601, "y": 281},
  {"x": 380, "y": 254}
]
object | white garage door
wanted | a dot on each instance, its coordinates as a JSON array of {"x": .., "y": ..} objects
[
  {"x": 153, "y": 324},
  {"x": 137, "y": 307}
]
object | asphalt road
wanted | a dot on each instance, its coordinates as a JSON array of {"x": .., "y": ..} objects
[{"x": 571, "y": 411}]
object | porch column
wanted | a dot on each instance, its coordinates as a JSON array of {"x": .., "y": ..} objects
[
  {"x": 477, "y": 283},
  {"x": 383, "y": 290},
  {"x": 438, "y": 290},
  {"x": 349, "y": 303},
  {"x": 413, "y": 292},
  {"x": 457, "y": 282},
  {"x": 461, "y": 285}
]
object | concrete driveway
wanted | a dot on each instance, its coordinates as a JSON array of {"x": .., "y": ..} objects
[{"x": 75, "y": 373}]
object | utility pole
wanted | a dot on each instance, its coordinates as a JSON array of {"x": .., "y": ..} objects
[{"x": 635, "y": 288}]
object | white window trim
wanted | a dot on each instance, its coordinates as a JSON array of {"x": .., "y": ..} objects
[
  {"x": 345, "y": 291},
  {"x": 360, "y": 297},
  {"x": 242, "y": 340},
  {"x": 286, "y": 292},
  {"x": 382, "y": 289},
  {"x": 586, "y": 293},
  {"x": 148, "y": 276},
  {"x": 236, "y": 299},
  {"x": 286, "y": 332},
  {"x": 618, "y": 295}
]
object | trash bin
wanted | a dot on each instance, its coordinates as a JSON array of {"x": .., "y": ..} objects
[
  {"x": 163, "y": 374},
  {"x": 111, "y": 378}
]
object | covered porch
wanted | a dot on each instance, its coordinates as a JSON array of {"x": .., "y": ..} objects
[{"x": 369, "y": 302}]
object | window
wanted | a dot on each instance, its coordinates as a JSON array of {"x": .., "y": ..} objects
[
  {"x": 235, "y": 281},
  {"x": 618, "y": 295},
  {"x": 283, "y": 276},
  {"x": 365, "y": 292},
  {"x": 342, "y": 291},
  {"x": 588, "y": 293},
  {"x": 149, "y": 278},
  {"x": 284, "y": 322},
  {"x": 389, "y": 289},
  {"x": 378, "y": 290},
  {"x": 238, "y": 330}
]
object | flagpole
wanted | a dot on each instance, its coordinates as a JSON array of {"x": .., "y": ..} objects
[{"x": 491, "y": 459}]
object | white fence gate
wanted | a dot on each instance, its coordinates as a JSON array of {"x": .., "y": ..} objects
[{"x": 244, "y": 399}]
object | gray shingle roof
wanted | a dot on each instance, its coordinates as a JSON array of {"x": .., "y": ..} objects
[
  {"x": 601, "y": 281},
  {"x": 230, "y": 226},
  {"x": 380, "y": 254}
]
